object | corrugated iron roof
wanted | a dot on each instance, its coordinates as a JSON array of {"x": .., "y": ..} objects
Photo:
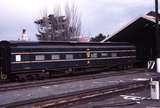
[{"x": 147, "y": 17}]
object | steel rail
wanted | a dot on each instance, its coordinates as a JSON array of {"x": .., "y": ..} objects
[
  {"x": 53, "y": 101},
  {"x": 24, "y": 85}
]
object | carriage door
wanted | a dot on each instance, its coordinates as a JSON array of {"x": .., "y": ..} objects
[
  {"x": 4, "y": 62},
  {"x": 1, "y": 59}
]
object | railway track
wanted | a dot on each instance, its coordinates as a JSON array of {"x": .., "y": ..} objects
[
  {"x": 64, "y": 99},
  {"x": 24, "y": 85}
]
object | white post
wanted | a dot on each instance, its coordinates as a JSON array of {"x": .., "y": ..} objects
[
  {"x": 155, "y": 90},
  {"x": 158, "y": 65}
]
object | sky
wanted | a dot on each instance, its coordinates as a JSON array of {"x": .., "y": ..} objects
[{"x": 97, "y": 16}]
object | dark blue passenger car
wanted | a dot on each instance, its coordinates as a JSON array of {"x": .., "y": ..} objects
[{"x": 20, "y": 59}]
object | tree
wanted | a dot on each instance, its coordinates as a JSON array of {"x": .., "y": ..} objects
[
  {"x": 58, "y": 27},
  {"x": 73, "y": 21},
  {"x": 98, "y": 38}
]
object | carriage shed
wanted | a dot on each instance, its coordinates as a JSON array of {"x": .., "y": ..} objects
[{"x": 141, "y": 33}]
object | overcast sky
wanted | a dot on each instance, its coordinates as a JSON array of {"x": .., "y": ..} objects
[{"x": 98, "y": 16}]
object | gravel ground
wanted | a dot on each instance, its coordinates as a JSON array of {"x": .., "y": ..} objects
[
  {"x": 43, "y": 91},
  {"x": 123, "y": 100}
]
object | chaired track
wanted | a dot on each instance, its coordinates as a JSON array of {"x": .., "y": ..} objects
[
  {"x": 55, "y": 101},
  {"x": 24, "y": 85}
]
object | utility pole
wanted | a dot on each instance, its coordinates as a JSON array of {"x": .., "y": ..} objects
[{"x": 157, "y": 36}]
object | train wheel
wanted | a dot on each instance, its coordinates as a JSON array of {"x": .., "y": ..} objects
[
  {"x": 17, "y": 78},
  {"x": 37, "y": 76},
  {"x": 30, "y": 77}
]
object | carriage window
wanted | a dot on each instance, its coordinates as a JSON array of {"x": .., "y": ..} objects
[
  {"x": 18, "y": 58},
  {"x": 104, "y": 54},
  {"x": 69, "y": 56},
  {"x": 114, "y": 54},
  {"x": 94, "y": 55},
  {"x": 39, "y": 57},
  {"x": 55, "y": 57}
]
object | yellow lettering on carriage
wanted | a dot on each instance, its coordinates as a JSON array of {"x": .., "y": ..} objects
[{"x": 88, "y": 54}]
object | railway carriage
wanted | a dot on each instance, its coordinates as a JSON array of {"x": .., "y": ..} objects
[{"x": 20, "y": 59}]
